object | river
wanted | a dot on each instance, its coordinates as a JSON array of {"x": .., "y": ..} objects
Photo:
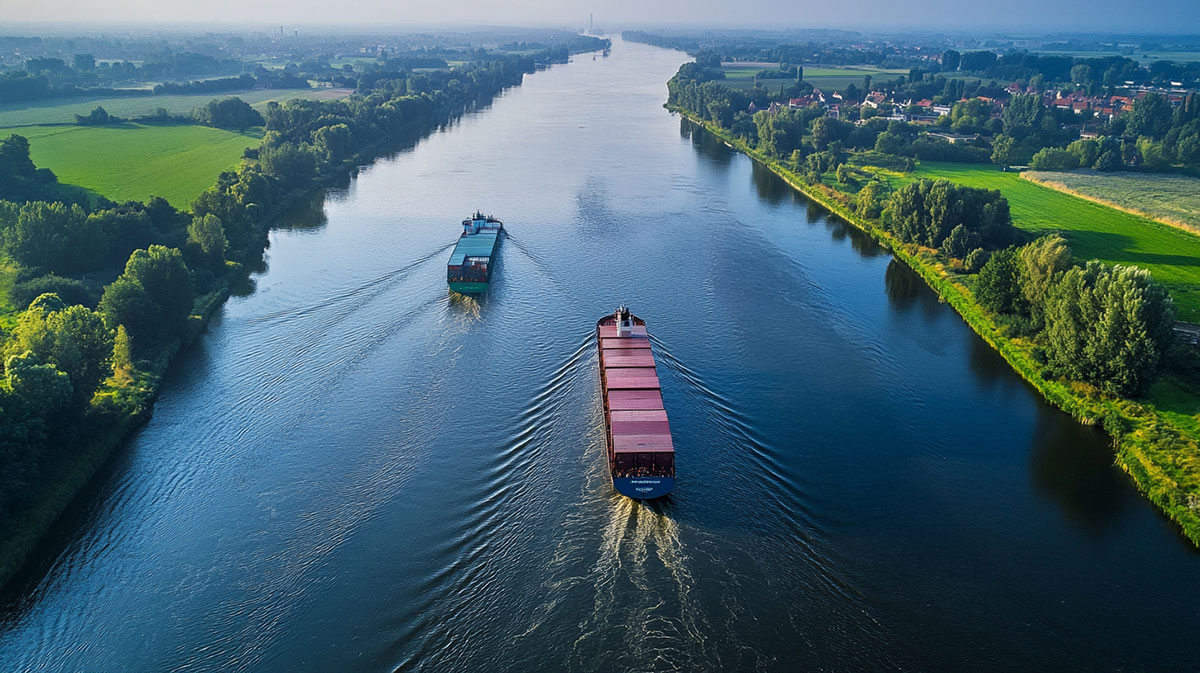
[{"x": 355, "y": 470}]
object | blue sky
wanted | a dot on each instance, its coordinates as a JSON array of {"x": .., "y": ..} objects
[{"x": 1174, "y": 16}]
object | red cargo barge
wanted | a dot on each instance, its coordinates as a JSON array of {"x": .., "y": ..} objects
[{"x": 641, "y": 456}]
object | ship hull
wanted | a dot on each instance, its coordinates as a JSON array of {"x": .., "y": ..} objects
[
  {"x": 469, "y": 288},
  {"x": 643, "y": 488},
  {"x": 640, "y": 451}
]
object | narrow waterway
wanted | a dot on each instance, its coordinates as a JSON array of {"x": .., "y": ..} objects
[{"x": 354, "y": 470}]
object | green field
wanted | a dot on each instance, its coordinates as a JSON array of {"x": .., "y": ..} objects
[
  {"x": 63, "y": 110},
  {"x": 137, "y": 161},
  {"x": 1174, "y": 198},
  {"x": 1094, "y": 231},
  {"x": 1145, "y": 57},
  {"x": 741, "y": 76}
]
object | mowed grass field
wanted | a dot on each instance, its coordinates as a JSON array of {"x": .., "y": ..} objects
[
  {"x": 741, "y": 76},
  {"x": 63, "y": 110},
  {"x": 1094, "y": 231},
  {"x": 1174, "y": 198},
  {"x": 137, "y": 161}
]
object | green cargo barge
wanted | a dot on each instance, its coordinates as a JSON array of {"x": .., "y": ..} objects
[{"x": 470, "y": 266}]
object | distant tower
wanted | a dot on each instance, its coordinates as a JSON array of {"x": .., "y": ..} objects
[{"x": 589, "y": 23}]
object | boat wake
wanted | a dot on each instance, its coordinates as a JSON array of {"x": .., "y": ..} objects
[
  {"x": 540, "y": 266},
  {"x": 635, "y": 613},
  {"x": 362, "y": 291},
  {"x": 644, "y": 611}
]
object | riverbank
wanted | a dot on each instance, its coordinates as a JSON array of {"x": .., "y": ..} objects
[
  {"x": 118, "y": 411},
  {"x": 1162, "y": 458}
]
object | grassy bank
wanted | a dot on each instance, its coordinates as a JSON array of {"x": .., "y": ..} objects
[
  {"x": 1094, "y": 230},
  {"x": 1159, "y": 454},
  {"x": 125, "y": 162},
  {"x": 117, "y": 411}
]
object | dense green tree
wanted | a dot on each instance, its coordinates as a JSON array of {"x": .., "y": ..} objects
[
  {"x": 229, "y": 113},
  {"x": 70, "y": 290},
  {"x": 889, "y": 143},
  {"x": 293, "y": 165},
  {"x": 975, "y": 260},
  {"x": 721, "y": 111},
  {"x": 1039, "y": 265},
  {"x": 960, "y": 241},
  {"x": 122, "y": 355},
  {"x": 826, "y": 131},
  {"x": 207, "y": 235},
  {"x": 56, "y": 237},
  {"x": 333, "y": 142},
  {"x": 97, "y": 117},
  {"x": 72, "y": 338},
  {"x": 925, "y": 212},
  {"x": 998, "y": 286},
  {"x": 779, "y": 134},
  {"x": 1152, "y": 155},
  {"x": 1109, "y": 160},
  {"x": 971, "y": 116},
  {"x": 870, "y": 200},
  {"x": 1002, "y": 150},
  {"x": 124, "y": 230},
  {"x": 1023, "y": 115},
  {"x": 1110, "y": 326},
  {"x": 1054, "y": 159},
  {"x": 126, "y": 303},
  {"x": 1150, "y": 116},
  {"x": 152, "y": 298},
  {"x": 14, "y": 159},
  {"x": 82, "y": 348},
  {"x": 1086, "y": 151},
  {"x": 34, "y": 388}
]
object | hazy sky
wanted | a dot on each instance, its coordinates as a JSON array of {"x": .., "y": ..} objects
[{"x": 1175, "y": 16}]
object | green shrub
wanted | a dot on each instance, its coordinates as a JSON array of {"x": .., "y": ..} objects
[
  {"x": 975, "y": 260},
  {"x": 70, "y": 290}
]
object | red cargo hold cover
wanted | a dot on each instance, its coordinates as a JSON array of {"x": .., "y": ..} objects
[
  {"x": 642, "y": 443},
  {"x": 634, "y": 400},
  {"x": 640, "y": 428},
  {"x": 628, "y": 358},
  {"x": 625, "y": 379}
]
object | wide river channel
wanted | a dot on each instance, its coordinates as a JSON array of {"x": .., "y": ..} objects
[{"x": 354, "y": 470}]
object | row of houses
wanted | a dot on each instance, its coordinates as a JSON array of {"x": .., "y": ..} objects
[{"x": 925, "y": 111}]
